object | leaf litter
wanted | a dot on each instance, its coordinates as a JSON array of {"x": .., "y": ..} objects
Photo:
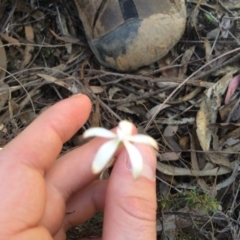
[{"x": 188, "y": 101}]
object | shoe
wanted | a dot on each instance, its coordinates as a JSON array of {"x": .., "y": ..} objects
[{"x": 128, "y": 34}]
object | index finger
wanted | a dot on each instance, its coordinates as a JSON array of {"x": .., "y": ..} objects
[{"x": 41, "y": 142}]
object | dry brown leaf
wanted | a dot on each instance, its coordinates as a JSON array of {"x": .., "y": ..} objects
[
  {"x": 52, "y": 79},
  {"x": 127, "y": 109},
  {"x": 195, "y": 165},
  {"x": 48, "y": 78},
  {"x": 3, "y": 65},
  {"x": 173, "y": 145},
  {"x": 29, "y": 33},
  {"x": 112, "y": 91},
  {"x": 29, "y": 48},
  {"x": 27, "y": 117},
  {"x": 224, "y": 125},
  {"x": 230, "y": 142},
  {"x": 169, "y": 156},
  {"x": 96, "y": 116},
  {"x": 3, "y": 61},
  {"x": 232, "y": 149},
  {"x": 96, "y": 89},
  {"x": 170, "y": 139},
  {"x": 219, "y": 88},
  {"x": 3, "y": 128},
  {"x": 176, "y": 122},
  {"x": 67, "y": 39},
  {"x": 202, "y": 120},
  {"x": 152, "y": 111},
  {"x": 194, "y": 160},
  {"x": 166, "y": 85},
  {"x": 184, "y": 142},
  {"x": 64, "y": 28},
  {"x": 164, "y": 63},
  {"x": 187, "y": 97},
  {"x": 169, "y": 223},
  {"x": 170, "y": 131},
  {"x": 183, "y": 222},
  {"x": 36, "y": 14},
  {"x": 235, "y": 112},
  {"x": 13, "y": 108},
  {"x": 229, "y": 180},
  {"x": 11, "y": 40},
  {"x": 226, "y": 110},
  {"x": 235, "y": 134},
  {"x": 59, "y": 68},
  {"x": 67, "y": 83},
  {"x": 176, "y": 171},
  {"x": 219, "y": 159},
  {"x": 208, "y": 49},
  {"x": 3, "y": 95},
  {"x": 208, "y": 111},
  {"x": 185, "y": 61}
]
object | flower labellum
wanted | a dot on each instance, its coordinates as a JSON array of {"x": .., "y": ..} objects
[{"x": 123, "y": 136}]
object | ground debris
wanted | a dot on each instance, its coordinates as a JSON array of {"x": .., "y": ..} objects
[{"x": 188, "y": 101}]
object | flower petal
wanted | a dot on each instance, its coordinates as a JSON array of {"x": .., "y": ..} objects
[
  {"x": 135, "y": 159},
  {"x": 125, "y": 127},
  {"x": 99, "y": 132},
  {"x": 104, "y": 155},
  {"x": 141, "y": 138}
]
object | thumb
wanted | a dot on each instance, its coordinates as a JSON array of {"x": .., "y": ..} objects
[{"x": 130, "y": 207}]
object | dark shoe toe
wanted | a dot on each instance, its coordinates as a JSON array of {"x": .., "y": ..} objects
[{"x": 128, "y": 34}]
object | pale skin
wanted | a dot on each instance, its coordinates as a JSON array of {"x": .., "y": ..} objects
[{"x": 37, "y": 191}]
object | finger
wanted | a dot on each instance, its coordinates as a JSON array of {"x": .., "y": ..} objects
[
  {"x": 90, "y": 238},
  {"x": 130, "y": 208},
  {"x": 73, "y": 171},
  {"x": 70, "y": 174},
  {"x": 37, "y": 233},
  {"x": 80, "y": 207},
  {"x": 83, "y": 205},
  {"x": 41, "y": 142}
]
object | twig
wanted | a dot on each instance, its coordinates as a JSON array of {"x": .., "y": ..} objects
[
  {"x": 10, "y": 15},
  {"x": 231, "y": 60},
  {"x": 171, "y": 95},
  {"x": 144, "y": 96}
]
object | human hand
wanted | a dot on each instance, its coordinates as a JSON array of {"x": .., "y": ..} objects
[{"x": 37, "y": 191}]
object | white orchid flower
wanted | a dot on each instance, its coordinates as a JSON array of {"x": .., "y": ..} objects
[{"x": 123, "y": 136}]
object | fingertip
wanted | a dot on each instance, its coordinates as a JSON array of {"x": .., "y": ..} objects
[
  {"x": 134, "y": 129},
  {"x": 132, "y": 202},
  {"x": 149, "y": 162},
  {"x": 82, "y": 97},
  {"x": 51, "y": 129}
]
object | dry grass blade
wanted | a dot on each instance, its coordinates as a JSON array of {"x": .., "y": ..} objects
[{"x": 177, "y": 171}]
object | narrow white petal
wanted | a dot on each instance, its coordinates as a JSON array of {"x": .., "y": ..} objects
[
  {"x": 141, "y": 138},
  {"x": 135, "y": 159},
  {"x": 125, "y": 127},
  {"x": 99, "y": 132},
  {"x": 104, "y": 155}
]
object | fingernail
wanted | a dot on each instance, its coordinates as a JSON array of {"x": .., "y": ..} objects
[
  {"x": 149, "y": 173},
  {"x": 76, "y": 95},
  {"x": 147, "y": 170}
]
